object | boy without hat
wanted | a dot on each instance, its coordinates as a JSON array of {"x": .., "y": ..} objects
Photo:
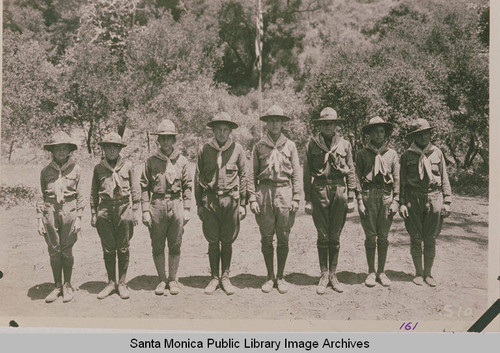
[
  {"x": 425, "y": 198},
  {"x": 274, "y": 194},
  {"x": 60, "y": 212},
  {"x": 114, "y": 202},
  {"x": 329, "y": 185},
  {"x": 221, "y": 193},
  {"x": 166, "y": 204},
  {"x": 377, "y": 176}
]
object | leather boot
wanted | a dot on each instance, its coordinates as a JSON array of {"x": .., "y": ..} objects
[
  {"x": 370, "y": 248},
  {"x": 225, "y": 258},
  {"x": 281, "y": 254},
  {"x": 123, "y": 261},
  {"x": 268, "y": 252}
]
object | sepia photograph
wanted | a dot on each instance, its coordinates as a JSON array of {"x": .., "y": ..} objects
[{"x": 270, "y": 165}]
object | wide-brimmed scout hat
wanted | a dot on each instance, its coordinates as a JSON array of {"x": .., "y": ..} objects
[
  {"x": 222, "y": 117},
  {"x": 419, "y": 125},
  {"x": 165, "y": 128},
  {"x": 328, "y": 114},
  {"x": 112, "y": 139},
  {"x": 275, "y": 111},
  {"x": 60, "y": 138},
  {"x": 377, "y": 121}
]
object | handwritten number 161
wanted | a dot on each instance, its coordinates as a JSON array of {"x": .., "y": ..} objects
[{"x": 408, "y": 326}]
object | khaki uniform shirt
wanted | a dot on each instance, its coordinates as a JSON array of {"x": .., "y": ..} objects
[
  {"x": 104, "y": 188},
  {"x": 230, "y": 178},
  {"x": 365, "y": 160},
  {"x": 277, "y": 163},
  {"x": 154, "y": 179},
  {"x": 410, "y": 177},
  {"x": 337, "y": 169},
  {"x": 70, "y": 174}
]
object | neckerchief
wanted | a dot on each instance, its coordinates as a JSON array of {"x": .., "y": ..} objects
[
  {"x": 215, "y": 145},
  {"x": 275, "y": 159},
  {"x": 170, "y": 171},
  {"x": 424, "y": 165},
  {"x": 379, "y": 164},
  {"x": 59, "y": 186},
  {"x": 331, "y": 152},
  {"x": 116, "y": 181}
]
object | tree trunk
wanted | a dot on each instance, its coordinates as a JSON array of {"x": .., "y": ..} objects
[
  {"x": 89, "y": 138},
  {"x": 470, "y": 151},
  {"x": 453, "y": 154},
  {"x": 11, "y": 149}
]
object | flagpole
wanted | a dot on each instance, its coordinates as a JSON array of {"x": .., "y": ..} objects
[{"x": 260, "y": 27}]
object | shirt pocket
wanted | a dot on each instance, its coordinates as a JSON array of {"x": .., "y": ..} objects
[
  {"x": 158, "y": 183},
  {"x": 435, "y": 164}
]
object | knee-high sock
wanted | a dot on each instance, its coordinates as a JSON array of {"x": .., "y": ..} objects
[
  {"x": 159, "y": 260},
  {"x": 370, "y": 248},
  {"x": 268, "y": 252},
  {"x": 173, "y": 265},
  {"x": 123, "y": 261},
  {"x": 382, "y": 246},
  {"x": 333, "y": 254},
  {"x": 214, "y": 259},
  {"x": 323, "y": 259},
  {"x": 56, "y": 265},
  {"x": 281, "y": 254},
  {"x": 226, "y": 254}
]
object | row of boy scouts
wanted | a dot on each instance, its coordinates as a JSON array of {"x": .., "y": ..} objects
[{"x": 416, "y": 186}]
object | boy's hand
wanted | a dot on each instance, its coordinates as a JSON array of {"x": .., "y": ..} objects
[
  {"x": 146, "y": 219},
  {"x": 41, "y": 228},
  {"x": 362, "y": 209},
  {"x": 243, "y": 212},
  {"x": 187, "y": 215},
  {"x": 350, "y": 204},
  {"x": 254, "y": 207},
  {"x": 136, "y": 217},
  {"x": 308, "y": 208},
  {"x": 403, "y": 211},
  {"x": 394, "y": 208},
  {"x": 445, "y": 210},
  {"x": 93, "y": 220},
  {"x": 294, "y": 207},
  {"x": 77, "y": 226}
]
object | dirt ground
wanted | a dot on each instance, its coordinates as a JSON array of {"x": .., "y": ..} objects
[{"x": 460, "y": 268}]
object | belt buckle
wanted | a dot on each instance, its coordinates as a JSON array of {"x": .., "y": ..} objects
[{"x": 219, "y": 192}]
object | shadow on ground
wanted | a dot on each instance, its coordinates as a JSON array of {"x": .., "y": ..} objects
[
  {"x": 143, "y": 282},
  {"x": 195, "y": 281},
  {"x": 40, "y": 291},
  {"x": 93, "y": 287}
]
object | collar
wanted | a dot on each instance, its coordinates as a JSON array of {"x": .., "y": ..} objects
[
  {"x": 320, "y": 141},
  {"x": 427, "y": 151},
  {"x": 119, "y": 164},
  {"x": 60, "y": 169},
  {"x": 267, "y": 140},
  {"x": 376, "y": 150},
  {"x": 215, "y": 145},
  {"x": 173, "y": 156}
]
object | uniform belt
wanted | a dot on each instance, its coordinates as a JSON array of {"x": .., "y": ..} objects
[
  {"x": 325, "y": 182},
  {"x": 369, "y": 186},
  {"x": 166, "y": 196},
  {"x": 220, "y": 192},
  {"x": 66, "y": 199},
  {"x": 423, "y": 190},
  {"x": 274, "y": 183},
  {"x": 121, "y": 201}
]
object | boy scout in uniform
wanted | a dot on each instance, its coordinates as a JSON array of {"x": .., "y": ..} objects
[
  {"x": 60, "y": 212},
  {"x": 166, "y": 202},
  {"x": 425, "y": 198},
  {"x": 274, "y": 193},
  {"x": 114, "y": 201},
  {"x": 221, "y": 192},
  {"x": 377, "y": 172},
  {"x": 329, "y": 164}
]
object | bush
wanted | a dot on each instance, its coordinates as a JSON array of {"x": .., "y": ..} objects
[{"x": 11, "y": 196}]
